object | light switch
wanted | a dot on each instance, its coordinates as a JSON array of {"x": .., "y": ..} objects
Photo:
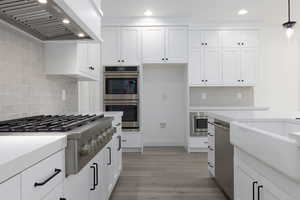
[{"x": 163, "y": 125}]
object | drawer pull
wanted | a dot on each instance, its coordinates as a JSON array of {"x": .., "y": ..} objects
[
  {"x": 124, "y": 140},
  {"x": 56, "y": 172}
]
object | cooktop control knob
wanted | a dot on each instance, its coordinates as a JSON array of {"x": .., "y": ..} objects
[{"x": 85, "y": 150}]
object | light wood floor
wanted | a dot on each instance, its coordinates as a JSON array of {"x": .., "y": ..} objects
[{"x": 166, "y": 174}]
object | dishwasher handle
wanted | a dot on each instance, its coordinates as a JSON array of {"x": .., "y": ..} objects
[{"x": 219, "y": 125}]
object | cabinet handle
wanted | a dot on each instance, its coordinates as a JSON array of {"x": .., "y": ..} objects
[
  {"x": 94, "y": 177},
  {"x": 97, "y": 174},
  {"x": 124, "y": 140},
  {"x": 253, "y": 189},
  {"x": 211, "y": 135},
  {"x": 62, "y": 199},
  {"x": 259, "y": 188},
  {"x": 122, "y": 60},
  {"x": 242, "y": 80},
  {"x": 239, "y": 80},
  {"x": 239, "y": 43},
  {"x": 56, "y": 172},
  {"x": 243, "y": 43},
  {"x": 206, "y": 80},
  {"x": 120, "y": 143},
  {"x": 162, "y": 59},
  {"x": 167, "y": 58},
  {"x": 211, "y": 149},
  {"x": 91, "y": 68},
  {"x": 206, "y": 43},
  {"x": 119, "y": 60},
  {"x": 109, "y": 150}
]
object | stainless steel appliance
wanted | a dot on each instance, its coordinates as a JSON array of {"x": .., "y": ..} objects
[
  {"x": 86, "y": 134},
  {"x": 198, "y": 124},
  {"x": 224, "y": 158},
  {"x": 43, "y": 21},
  {"x": 130, "y": 109},
  {"x": 121, "y": 83}
]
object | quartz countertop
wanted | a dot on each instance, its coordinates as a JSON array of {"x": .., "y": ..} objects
[
  {"x": 225, "y": 108},
  {"x": 230, "y": 116},
  {"x": 18, "y": 153}
]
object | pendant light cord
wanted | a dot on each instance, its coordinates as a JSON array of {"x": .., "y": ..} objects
[{"x": 289, "y": 9}]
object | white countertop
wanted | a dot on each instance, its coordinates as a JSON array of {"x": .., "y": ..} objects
[
  {"x": 18, "y": 153},
  {"x": 224, "y": 108},
  {"x": 252, "y": 115}
]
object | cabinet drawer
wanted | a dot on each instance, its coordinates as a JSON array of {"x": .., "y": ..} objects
[
  {"x": 43, "y": 177},
  {"x": 200, "y": 142},
  {"x": 11, "y": 189},
  {"x": 131, "y": 140}
]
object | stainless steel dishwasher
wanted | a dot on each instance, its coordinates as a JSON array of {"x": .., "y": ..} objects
[{"x": 224, "y": 158}]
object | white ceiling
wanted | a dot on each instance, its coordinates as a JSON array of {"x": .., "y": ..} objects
[{"x": 203, "y": 10}]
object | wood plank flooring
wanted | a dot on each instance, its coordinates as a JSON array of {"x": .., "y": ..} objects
[{"x": 165, "y": 174}]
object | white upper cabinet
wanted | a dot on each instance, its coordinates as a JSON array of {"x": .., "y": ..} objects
[
  {"x": 76, "y": 59},
  {"x": 205, "y": 67},
  {"x": 153, "y": 45},
  {"x": 111, "y": 46},
  {"x": 227, "y": 58},
  {"x": 121, "y": 46},
  {"x": 130, "y": 46},
  {"x": 164, "y": 45},
  {"x": 176, "y": 45},
  {"x": 85, "y": 14}
]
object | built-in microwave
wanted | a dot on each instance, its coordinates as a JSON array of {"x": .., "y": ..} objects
[
  {"x": 121, "y": 83},
  {"x": 198, "y": 124},
  {"x": 130, "y": 109}
]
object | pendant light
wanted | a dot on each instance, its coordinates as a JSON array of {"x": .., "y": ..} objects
[{"x": 290, "y": 24}]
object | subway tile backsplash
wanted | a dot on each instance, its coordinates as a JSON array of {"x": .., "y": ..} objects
[{"x": 25, "y": 90}]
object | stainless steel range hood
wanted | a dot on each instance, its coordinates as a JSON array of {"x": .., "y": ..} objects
[{"x": 43, "y": 21}]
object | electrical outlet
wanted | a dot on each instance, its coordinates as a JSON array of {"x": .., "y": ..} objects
[
  {"x": 203, "y": 96},
  {"x": 163, "y": 125},
  {"x": 63, "y": 95}
]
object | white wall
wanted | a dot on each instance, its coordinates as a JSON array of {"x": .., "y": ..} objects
[{"x": 164, "y": 101}]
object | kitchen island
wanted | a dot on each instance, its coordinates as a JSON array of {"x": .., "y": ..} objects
[{"x": 266, "y": 153}]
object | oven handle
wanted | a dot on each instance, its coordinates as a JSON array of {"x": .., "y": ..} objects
[{"x": 121, "y": 103}]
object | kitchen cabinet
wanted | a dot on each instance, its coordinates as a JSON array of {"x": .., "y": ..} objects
[
  {"x": 96, "y": 180},
  {"x": 256, "y": 181},
  {"x": 223, "y": 58},
  {"x": 131, "y": 140},
  {"x": 109, "y": 169},
  {"x": 164, "y": 45},
  {"x": 11, "y": 189},
  {"x": 56, "y": 194},
  {"x": 85, "y": 14},
  {"x": 204, "y": 65},
  {"x": 121, "y": 46},
  {"x": 76, "y": 59}
]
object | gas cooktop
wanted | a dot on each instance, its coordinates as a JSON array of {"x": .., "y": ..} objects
[{"x": 47, "y": 123}]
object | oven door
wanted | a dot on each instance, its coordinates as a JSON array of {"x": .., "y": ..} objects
[
  {"x": 121, "y": 86},
  {"x": 130, "y": 109}
]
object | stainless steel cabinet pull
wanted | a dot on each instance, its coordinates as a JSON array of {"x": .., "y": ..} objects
[
  {"x": 109, "y": 150},
  {"x": 56, "y": 172},
  {"x": 97, "y": 174},
  {"x": 120, "y": 143}
]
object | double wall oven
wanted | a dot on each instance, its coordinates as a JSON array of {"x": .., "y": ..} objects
[{"x": 121, "y": 93}]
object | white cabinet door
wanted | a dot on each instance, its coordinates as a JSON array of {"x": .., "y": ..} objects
[
  {"x": 250, "y": 39},
  {"x": 196, "y": 39},
  {"x": 11, "y": 189},
  {"x": 97, "y": 178},
  {"x": 231, "y": 39},
  {"x": 246, "y": 187},
  {"x": 249, "y": 66},
  {"x": 130, "y": 46},
  {"x": 196, "y": 72},
  {"x": 153, "y": 45},
  {"x": 93, "y": 58},
  {"x": 212, "y": 67},
  {"x": 56, "y": 194},
  {"x": 176, "y": 45},
  {"x": 231, "y": 61},
  {"x": 77, "y": 187},
  {"x": 82, "y": 57},
  {"x": 211, "y": 39},
  {"x": 111, "y": 46}
]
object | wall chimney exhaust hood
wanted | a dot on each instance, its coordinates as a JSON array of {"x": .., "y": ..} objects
[{"x": 45, "y": 21}]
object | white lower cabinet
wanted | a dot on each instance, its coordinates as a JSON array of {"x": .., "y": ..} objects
[
  {"x": 11, "y": 189},
  {"x": 256, "y": 181},
  {"x": 56, "y": 194}
]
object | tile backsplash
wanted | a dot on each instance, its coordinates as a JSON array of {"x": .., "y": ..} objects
[
  {"x": 25, "y": 90},
  {"x": 222, "y": 96}
]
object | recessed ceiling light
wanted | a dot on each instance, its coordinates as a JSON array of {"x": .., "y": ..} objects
[
  {"x": 81, "y": 35},
  {"x": 148, "y": 13},
  {"x": 66, "y": 21},
  {"x": 243, "y": 12},
  {"x": 43, "y": 1}
]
